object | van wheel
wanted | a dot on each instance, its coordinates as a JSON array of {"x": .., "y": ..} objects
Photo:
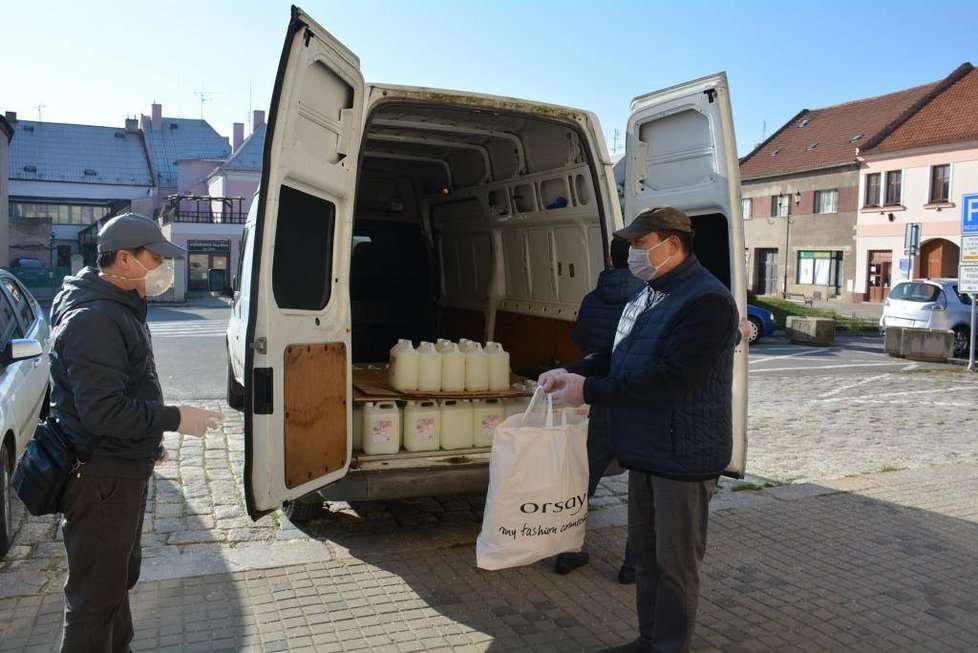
[
  {"x": 755, "y": 330},
  {"x": 961, "y": 341},
  {"x": 6, "y": 500},
  {"x": 300, "y": 512},
  {"x": 235, "y": 391}
]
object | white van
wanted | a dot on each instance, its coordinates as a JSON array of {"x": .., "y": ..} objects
[{"x": 389, "y": 212}]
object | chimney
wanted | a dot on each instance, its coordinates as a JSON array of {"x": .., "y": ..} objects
[
  {"x": 238, "y": 136},
  {"x": 11, "y": 117},
  {"x": 157, "y": 116},
  {"x": 132, "y": 125},
  {"x": 258, "y": 119}
]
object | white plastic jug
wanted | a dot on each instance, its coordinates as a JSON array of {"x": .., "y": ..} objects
[
  {"x": 452, "y": 369},
  {"x": 456, "y": 424},
  {"x": 498, "y": 366},
  {"x": 381, "y": 428},
  {"x": 516, "y": 405},
  {"x": 358, "y": 426},
  {"x": 464, "y": 344},
  {"x": 429, "y": 368},
  {"x": 476, "y": 369},
  {"x": 442, "y": 344},
  {"x": 403, "y": 373},
  {"x": 422, "y": 426},
  {"x": 486, "y": 416}
]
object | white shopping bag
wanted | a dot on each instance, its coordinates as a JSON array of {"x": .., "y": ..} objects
[{"x": 538, "y": 476}]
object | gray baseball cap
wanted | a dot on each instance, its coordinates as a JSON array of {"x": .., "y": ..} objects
[
  {"x": 131, "y": 230},
  {"x": 655, "y": 219}
]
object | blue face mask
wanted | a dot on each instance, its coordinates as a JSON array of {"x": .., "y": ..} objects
[{"x": 638, "y": 262}]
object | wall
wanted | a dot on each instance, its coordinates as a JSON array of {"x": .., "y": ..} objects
[
  {"x": 192, "y": 176},
  {"x": 181, "y": 232},
  {"x": 806, "y": 230},
  {"x": 4, "y": 199},
  {"x": 876, "y": 231}
]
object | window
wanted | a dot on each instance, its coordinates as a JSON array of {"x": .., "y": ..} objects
[
  {"x": 779, "y": 206},
  {"x": 827, "y": 201},
  {"x": 58, "y": 213},
  {"x": 818, "y": 268},
  {"x": 745, "y": 207},
  {"x": 940, "y": 183},
  {"x": 20, "y": 302},
  {"x": 302, "y": 263},
  {"x": 872, "y": 190},
  {"x": 894, "y": 179}
]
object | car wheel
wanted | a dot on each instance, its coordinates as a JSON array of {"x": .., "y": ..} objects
[
  {"x": 300, "y": 512},
  {"x": 235, "y": 391},
  {"x": 962, "y": 339},
  {"x": 755, "y": 330},
  {"x": 6, "y": 500}
]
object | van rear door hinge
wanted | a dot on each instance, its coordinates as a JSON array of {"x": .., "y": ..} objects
[{"x": 260, "y": 345}]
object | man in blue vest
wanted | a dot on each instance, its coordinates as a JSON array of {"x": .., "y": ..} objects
[{"x": 666, "y": 392}]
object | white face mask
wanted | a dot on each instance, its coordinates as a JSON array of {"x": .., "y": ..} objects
[
  {"x": 638, "y": 262},
  {"x": 159, "y": 279}
]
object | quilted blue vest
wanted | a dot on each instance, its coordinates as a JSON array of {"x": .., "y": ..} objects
[{"x": 685, "y": 437}]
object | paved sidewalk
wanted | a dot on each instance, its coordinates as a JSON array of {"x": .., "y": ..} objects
[{"x": 879, "y": 562}]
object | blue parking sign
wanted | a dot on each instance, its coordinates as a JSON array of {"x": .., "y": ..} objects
[{"x": 969, "y": 214}]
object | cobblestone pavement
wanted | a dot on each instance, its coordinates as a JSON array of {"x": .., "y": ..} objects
[{"x": 879, "y": 561}]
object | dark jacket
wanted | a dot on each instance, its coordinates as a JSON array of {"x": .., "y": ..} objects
[
  {"x": 104, "y": 381},
  {"x": 667, "y": 387},
  {"x": 597, "y": 319}
]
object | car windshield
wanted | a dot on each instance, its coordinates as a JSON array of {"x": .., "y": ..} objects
[{"x": 916, "y": 292}]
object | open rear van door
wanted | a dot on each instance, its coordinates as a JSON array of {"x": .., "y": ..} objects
[
  {"x": 681, "y": 152},
  {"x": 297, "y": 364}
]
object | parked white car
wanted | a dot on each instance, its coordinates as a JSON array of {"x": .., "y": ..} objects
[
  {"x": 930, "y": 304},
  {"x": 24, "y": 386}
]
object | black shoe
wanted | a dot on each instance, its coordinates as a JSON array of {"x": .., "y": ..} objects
[
  {"x": 626, "y": 575},
  {"x": 638, "y": 646},
  {"x": 568, "y": 562}
]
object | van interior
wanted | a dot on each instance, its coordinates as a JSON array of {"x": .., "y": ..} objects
[{"x": 470, "y": 222}]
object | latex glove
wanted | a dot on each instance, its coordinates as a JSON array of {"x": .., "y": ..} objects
[
  {"x": 568, "y": 390},
  {"x": 162, "y": 455},
  {"x": 744, "y": 330},
  {"x": 546, "y": 380},
  {"x": 196, "y": 421}
]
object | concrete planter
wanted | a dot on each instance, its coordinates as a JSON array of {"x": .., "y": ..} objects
[
  {"x": 813, "y": 331},
  {"x": 893, "y": 341},
  {"x": 927, "y": 345}
]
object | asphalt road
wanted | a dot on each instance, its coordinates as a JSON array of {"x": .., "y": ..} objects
[{"x": 189, "y": 347}]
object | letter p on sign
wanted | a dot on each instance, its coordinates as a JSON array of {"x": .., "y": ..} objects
[{"x": 969, "y": 214}]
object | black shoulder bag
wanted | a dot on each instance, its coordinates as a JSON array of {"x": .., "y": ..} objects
[{"x": 44, "y": 467}]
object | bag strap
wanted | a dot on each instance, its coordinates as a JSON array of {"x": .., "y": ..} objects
[{"x": 548, "y": 404}]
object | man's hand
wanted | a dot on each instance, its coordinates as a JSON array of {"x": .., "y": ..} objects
[
  {"x": 546, "y": 380},
  {"x": 568, "y": 389},
  {"x": 162, "y": 455},
  {"x": 196, "y": 421},
  {"x": 744, "y": 330}
]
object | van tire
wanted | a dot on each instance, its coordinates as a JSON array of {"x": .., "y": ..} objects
[
  {"x": 6, "y": 500},
  {"x": 300, "y": 512},
  {"x": 962, "y": 339},
  {"x": 235, "y": 391}
]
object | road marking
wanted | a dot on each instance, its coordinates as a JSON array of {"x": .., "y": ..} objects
[
  {"x": 188, "y": 329},
  {"x": 823, "y": 367},
  {"x": 800, "y": 353},
  {"x": 844, "y": 388}
]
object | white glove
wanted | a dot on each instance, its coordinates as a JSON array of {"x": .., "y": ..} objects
[
  {"x": 196, "y": 421},
  {"x": 546, "y": 380}
]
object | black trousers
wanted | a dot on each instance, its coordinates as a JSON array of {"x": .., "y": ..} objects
[
  {"x": 103, "y": 523},
  {"x": 667, "y": 538}
]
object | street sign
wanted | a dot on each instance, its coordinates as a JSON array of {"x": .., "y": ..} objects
[
  {"x": 969, "y": 249},
  {"x": 911, "y": 238},
  {"x": 968, "y": 278},
  {"x": 969, "y": 213}
]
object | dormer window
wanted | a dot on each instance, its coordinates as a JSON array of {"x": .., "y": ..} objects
[
  {"x": 803, "y": 122},
  {"x": 776, "y": 152},
  {"x": 855, "y": 138},
  {"x": 90, "y": 172},
  {"x": 30, "y": 168},
  {"x": 811, "y": 147}
]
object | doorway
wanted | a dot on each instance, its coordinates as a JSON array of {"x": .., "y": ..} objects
[
  {"x": 766, "y": 271},
  {"x": 939, "y": 259},
  {"x": 878, "y": 274}
]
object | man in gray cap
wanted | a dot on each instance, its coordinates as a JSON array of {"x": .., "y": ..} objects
[
  {"x": 665, "y": 388},
  {"x": 108, "y": 401}
]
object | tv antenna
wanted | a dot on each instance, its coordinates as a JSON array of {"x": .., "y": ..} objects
[
  {"x": 205, "y": 96},
  {"x": 39, "y": 108}
]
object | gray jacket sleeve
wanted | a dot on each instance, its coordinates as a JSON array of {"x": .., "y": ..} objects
[{"x": 93, "y": 349}]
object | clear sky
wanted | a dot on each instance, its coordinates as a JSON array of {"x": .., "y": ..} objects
[{"x": 97, "y": 62}]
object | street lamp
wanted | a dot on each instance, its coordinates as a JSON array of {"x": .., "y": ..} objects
[{"x": 787, "y": 237}]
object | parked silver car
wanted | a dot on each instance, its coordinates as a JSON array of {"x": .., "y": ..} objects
[
  {"x": 24, "y": 366},
  {"x": 930, "y": 304}
]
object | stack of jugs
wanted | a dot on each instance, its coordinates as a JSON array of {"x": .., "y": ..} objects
[
  {"x": 422, "y": 426},
  {"x": 476, "y": 366},
  {"x": 403, "y": 372},
  {"x": 498, "y": 367},
  {"x": 381, "y": 428},
  {"x": 456, "y": 424},
  {"x": 429, "y": 368},
  {"x": 486, "y": 416},
  {"x": 452, "y": 366}
]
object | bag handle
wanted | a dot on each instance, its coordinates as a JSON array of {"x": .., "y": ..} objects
[{"x": 548, "y": 404}]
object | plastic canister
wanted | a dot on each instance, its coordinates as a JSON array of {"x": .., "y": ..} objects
[
  {"x": 476, "y": 369},
  {"x": 516, "y": 405},
  {"x": 422, "y": 426},
  {"x": 486, "y": 415},
  {"x": 403, "y": 373},
  {"x": 442, "y": 344},
  {"x": 429, "y": 368},
  {"x": 358, "y": 426},
  {"x": 452, "y": 369},
  {"x": 456, "y": 424},
  {"x": 381, "y": 428},
  {"x": 498, "y": 366}
]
